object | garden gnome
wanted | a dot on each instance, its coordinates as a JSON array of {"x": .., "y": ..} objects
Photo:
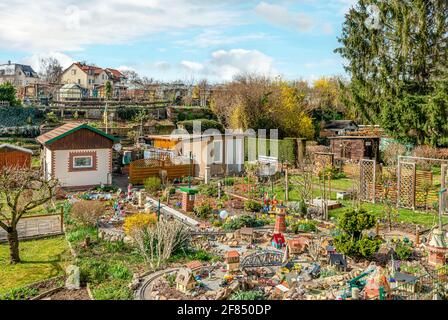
[{"x": 72, "y": 282}]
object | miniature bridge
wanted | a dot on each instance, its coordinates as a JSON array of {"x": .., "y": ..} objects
[{"x": 266, "y": 258}]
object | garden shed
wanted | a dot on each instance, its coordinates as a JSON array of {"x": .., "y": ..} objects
[
  {"x": 355, "y": 147},
  {"x": 78, "y": 155},
  {"x": 14, "y": 156}
]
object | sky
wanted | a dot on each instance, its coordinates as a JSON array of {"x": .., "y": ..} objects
[{"x": 186, "y": 40}]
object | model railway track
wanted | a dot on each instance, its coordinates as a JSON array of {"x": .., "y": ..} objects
[{"x": 143, "y": 293}]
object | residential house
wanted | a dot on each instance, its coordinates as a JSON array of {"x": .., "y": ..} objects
[
  {"x": 15, "y": 156},
  {"x": 93, "y": 78},
  {"x": 185, "y": 280},
  {"x": 18, "y": 75},
  {"x": 78, "y": 155}
]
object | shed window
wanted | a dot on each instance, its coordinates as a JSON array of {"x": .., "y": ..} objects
[{"x": 83, "y": 162}]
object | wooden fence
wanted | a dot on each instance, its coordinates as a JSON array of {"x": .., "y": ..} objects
[
  {"x": 37, "y": 226},
  {"x": 140, "y": 170}
]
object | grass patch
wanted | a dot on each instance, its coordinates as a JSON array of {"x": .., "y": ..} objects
[
  {"x": 404, "y": 215},
  {"x": 41, "y": 259}
]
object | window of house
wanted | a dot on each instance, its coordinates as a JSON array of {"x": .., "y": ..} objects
[
  {"x": 73, "y": 72},
  {"x": 217, "y": 151},
  {"x": 81, "y": 162},
  {"x": 79, "y": 81}
]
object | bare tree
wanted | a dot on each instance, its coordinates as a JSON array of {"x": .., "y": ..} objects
[
  {"x": 21, "y": 190},
  {"x": 157, "y": 243},
  {"x": 50, "y": 70}
]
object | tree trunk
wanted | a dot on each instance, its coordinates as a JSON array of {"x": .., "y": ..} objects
[{"x": 13, "y": 239}]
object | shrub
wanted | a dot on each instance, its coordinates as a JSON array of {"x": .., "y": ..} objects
[
  {"x": 93, "y": 271},
  {"x": 203, "y": 211},
  {"x": 209, "y": 190},
  {"x": 120, "y": 272},
  {"x": 350, "y": 241},
  {"x": 391, "y": 153},
  {"x": 252, "y": 206},
  {"x": 304, "y": 226},
  {"x": 366, "y": 247},
  {"x": 229, "y": 181},
  {"x": 243, "y": 221},
  {"x": 152, "y": 184},
  {"x": 205, "y": 124},
  {"x": 112, "y": 290},
  {"x": 403, "y": 250},
  {"x": 22, "y": 293},
  {"x": 87, "y": 212},
  {"x": 138, "y": 222}
]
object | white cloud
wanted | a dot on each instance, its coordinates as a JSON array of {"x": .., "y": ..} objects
[
  {"x": 35, "y": 59},
  {"x": 224, "y": 65},
  {"x": 281, "y": 16},
  {"x": 50, "y": 25},
  {"x": 126, "y": 68},
  {"x": 191, "y": 66},
  {"x": 210, "y": 38}
]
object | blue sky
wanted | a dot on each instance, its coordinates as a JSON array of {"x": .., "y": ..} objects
[{"x": 179, "y": 39}]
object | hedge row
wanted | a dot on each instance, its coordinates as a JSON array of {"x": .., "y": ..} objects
[{"x": 287, "y": 149}]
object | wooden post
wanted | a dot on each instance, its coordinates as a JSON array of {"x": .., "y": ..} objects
[
  {"x": 62, "y": 218},
  {"x": 286, "y": 184},
  {"x": 417, "y": 235}
]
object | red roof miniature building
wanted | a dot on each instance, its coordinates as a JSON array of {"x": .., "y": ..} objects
[
  {"x": 194, "y": 265},
  {"x": 278, "y": 240},
  {"x": 232, "y": 260}
]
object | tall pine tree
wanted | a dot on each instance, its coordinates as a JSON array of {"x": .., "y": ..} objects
[{"x": 396, "y": 59}]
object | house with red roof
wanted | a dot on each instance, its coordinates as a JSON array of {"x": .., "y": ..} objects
[
  {"x": 94, "y": 78},
  {"x": 78, "y": 155}
]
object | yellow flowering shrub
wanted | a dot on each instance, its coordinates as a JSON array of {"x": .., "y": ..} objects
[{"x": 138, "y": 221}]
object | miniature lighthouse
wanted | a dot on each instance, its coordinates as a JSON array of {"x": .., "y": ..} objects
[{"x": 280, "y": 224}]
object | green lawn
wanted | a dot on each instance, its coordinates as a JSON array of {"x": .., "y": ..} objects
[
  {"x": 405, "y": 215},
  {"x": 41, "y": 259}
]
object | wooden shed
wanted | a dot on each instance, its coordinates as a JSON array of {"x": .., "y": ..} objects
[
  {"x": 78, "y": 155},
  {"x": 355, "y": 147},
  {"x": 14, "y": 156}
]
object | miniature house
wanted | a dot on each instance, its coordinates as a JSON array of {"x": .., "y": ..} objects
[
  {"x": 278, "y": 240},
  {"x": 297, "y": 245},
  {"x": 338, "y": 260},
  {"x": 195, "y": 267},
  {"x": 185, "y": 280},
  {"x": 246, "y": 234},
  {"x": 232, "y": 260},
  {"x": 15, "y": 156},
  {"x": 78, "y": 155}
]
